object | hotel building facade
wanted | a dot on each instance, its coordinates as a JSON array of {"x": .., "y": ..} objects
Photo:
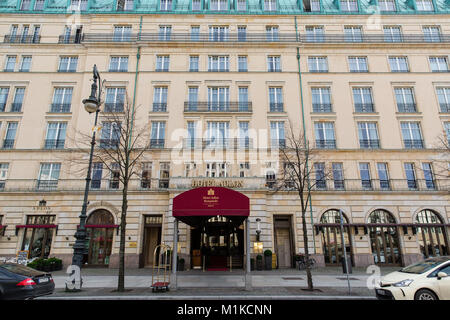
[{"x": 367, "y": 81}]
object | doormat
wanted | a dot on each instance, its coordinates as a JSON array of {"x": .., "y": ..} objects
[
  {"x": 345, "y": 278},
  {"x": 216, "y": 269},
  {"x": 292, "y": 278}
]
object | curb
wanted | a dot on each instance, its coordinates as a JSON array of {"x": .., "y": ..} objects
[{"x": 212, "y": 297}]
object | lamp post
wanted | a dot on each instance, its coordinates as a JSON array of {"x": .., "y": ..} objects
[{"x": 92, "y": 104}]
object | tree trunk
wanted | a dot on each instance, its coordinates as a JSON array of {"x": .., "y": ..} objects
[
  {"x": 305, "y": 244},
  {"x": 123, "y": 223}
]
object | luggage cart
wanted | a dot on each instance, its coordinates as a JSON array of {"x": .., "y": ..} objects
[{"x": 162, "y": 263}]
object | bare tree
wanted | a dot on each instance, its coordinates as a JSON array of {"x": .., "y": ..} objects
[
  {"x": 120, "y": 152},
  {"x": 297, "y": 174}
]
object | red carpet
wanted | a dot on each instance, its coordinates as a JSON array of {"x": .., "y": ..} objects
[{"x": 217, "y": 269}]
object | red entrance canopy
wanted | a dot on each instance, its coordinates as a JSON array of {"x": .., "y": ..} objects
[{"x": 211, "y": 201}]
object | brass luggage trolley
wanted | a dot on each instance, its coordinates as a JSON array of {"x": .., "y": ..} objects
[{"x": 162, "y": 262}]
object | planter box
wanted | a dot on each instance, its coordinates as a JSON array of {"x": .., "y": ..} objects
[
  {"x": 259, "y": 265},
  {"x": 268, "y": 262}
]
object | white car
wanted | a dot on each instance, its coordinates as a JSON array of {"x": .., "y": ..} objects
[{"x": 428, "y": 279}]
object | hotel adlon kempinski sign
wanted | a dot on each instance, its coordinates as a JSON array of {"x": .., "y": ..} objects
[{"x": 217, "y": 183}]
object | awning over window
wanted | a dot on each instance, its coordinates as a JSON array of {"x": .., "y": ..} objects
[
  {"x": 194, "y": 206},
  {"x": 46, "y": 226},
  {"x": 100, "y": 226}
]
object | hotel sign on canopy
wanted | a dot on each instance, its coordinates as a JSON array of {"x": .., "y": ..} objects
[{"x": 217, "y": 183}]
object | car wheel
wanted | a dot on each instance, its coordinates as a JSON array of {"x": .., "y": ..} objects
[{"x": 425, "y": 294}]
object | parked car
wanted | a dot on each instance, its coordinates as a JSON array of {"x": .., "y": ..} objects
[
  {"x": 428, "y": 279},
  {"x": 19, "y": 282}
]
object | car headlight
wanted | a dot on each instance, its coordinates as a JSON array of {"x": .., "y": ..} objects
[{"x": 403, "y": 283}]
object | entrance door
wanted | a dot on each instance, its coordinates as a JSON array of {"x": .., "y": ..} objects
[
  {"x": 152, "y": 238},
  {"x": 283, "y": 247},
  {"x": 100, "y": 246}
]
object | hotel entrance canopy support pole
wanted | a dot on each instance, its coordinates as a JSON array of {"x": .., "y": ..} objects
[
  {"x": 175, "y": 254},
  {"x": 248, "y": 277}
]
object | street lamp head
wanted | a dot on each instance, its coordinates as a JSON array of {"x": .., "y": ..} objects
[{"x": 91, "y": 105}]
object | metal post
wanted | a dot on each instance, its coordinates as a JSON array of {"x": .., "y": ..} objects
[
  {"x": 248, "y": 277},
  {"x": 175, "y": 254},
  {"x": 344, "y": 250}
]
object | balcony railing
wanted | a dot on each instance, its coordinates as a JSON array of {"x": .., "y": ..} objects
[
  {"x": 8, "y": 143},
  {"x": 322, "y": 107},
  {"x": 109, "y": 143},
  {"x": 16, "y": 107},
  {"x": 413, "y": 144},
  {"x": 326, "y": 144},
  {"x": 278, "y": 143},
  {"x": 54, "y": 144},
  {"x": 369, "y": 143},
  {"x": 60, "y": 107},
  {"x": 219, "y": 70},
  {"x": 113, "y": 107},
  {"x": 276, "y": 106},
  {"x": 22, "y": 39},
  {"x": 159, "y": 107},
  {"x": 230, "y": 143},
  {"x": 364, "y": 107},
  {"x": 70, "y": 39},
  {"x": 406, "y": 107},
  {"x": 250, "y": 183},
  {"x": 204, "y": 106},
  {"x": 156, "y": 143}
]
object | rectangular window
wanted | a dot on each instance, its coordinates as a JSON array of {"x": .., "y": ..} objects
[
  {"x": 315, "y": 5},
  {"x": 315, "y": 34},
  {"x": 243, "y": 99},
  {"x": 165, "y": 5},
  {"x": 242, "y": 64},
  {"x": 276, "y": 99},
  {"x": 387, "y": 5},
  {"x": 164, "y": 33},
  {"x": 272, "y": 33},
  {"x": 447, "y": 131},
  {"x": 97, "y": 173},
  {"x": 56, "y": 135},
  {"x": 218, "y": 64},
  {"x": 443, "y": 94},
  {"x": 318, "y": 64},
  {"x": 270, "y": 5},
  {"x": 273, "y": 64},
  {"x": 325, "y": 138},
  {"x": 424, "y": 5},
  {"x": 10, "y": 136},
  {"x": 115, "y": 176},
  {"x": 157, "y": 137},
  {"x": 364, "y": 171},
  {"x": 3, "y": 98},
  {"x": 319, "y": 171},
  {"x": 162, "y": 63},
  {"x": 368, "y": 135},
  {"x": 36, "y": 36},
  {"x": 405, "y": 100},
  {"x": 13, "y": 33},
  {"x": 115, "y": 99},
  {"x": 438, "y": 64},
  {"x": 78, "y": 5},
  {"x": 362, "y": 97},
  {"x": 122, "y": 33},
  {"x": 241, "y": 5},
  {"x": 160, "y": 99},
  {"x": 68, "y": 64},
  {"x": 118, "y": 64},
  {"x": 38, "y": 241},
  {"x": 410, "y": 175},
  {"x": 217, "y": 169},
  {"x": 191, "y": 130},
  {"x": 62, "y": 99},
  {"x": 432, "y": 34},
  {"x": 242, "y": 33},
  {"x": 195, "y": 33},
  {"x": 10, "y": 64},
  {"x": 218, "y": 5},
  {"x": 398, "y": 64},
  {"x": 349, "y": 5},
  {"x": 146, "y": 176},
  {"x": 321, "y": 99},
  {"x": 218, "y": 98},
  {"x": 244, "y": 169},
  {"x": 218, "y": 33},
  {"x": 48, "y": 175},
  {"x": 392, "y": 34},
  {"x": 25, "y": 37},
  {"x": 196, "y": 5},
  {"x": 3, "y": 176},
  {"x": 193, "y": 63},
  {"x": 25, "y": 65},
  {"x": 412, "y": 136},
  {"x": 358, "y": 64},
  {"x": 25, "y": 5},
  {"x": 428, "y": 175},
  {"x": 338, "y": 176},
  {"x": 125, "y": 5},
  {"x": 277, "y": 137},
  {"x": 164, "y": 174},
  {"x": 192, "y": 99},
  {"x": 110, "y": 135},
  {"x": 16, "y": 106},
  {"x": 353, "y": 34},
  {"x": 383, "y": 176},
  {"x": 218, "y": 134},
  {"x": 244, "y": 140}
]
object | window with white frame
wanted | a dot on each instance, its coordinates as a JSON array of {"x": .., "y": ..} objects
[
  {"x": 196, "y": 5},
  {"x": 358, "y": 64},
  {"x": 241, "y": 5},
  {"x": 190, "y": 169},
  {"x": 4, "y": 92},
  {"x": 160, "y": 99},
  {"x": 428, "y": 175},
  {"x": 274, "y": 64},
  {"x": 115, "y": 99},
  {"x": 217, "y": 169},
  {"x": 48, "y": 175},
  {"x": 25, "y": 65},
  {"x": 349, "y": 5},
  {"x": 277, "y": 134},
  {"x": 315, "y": 5},
  {"x": 276, "y": 99},
  {"x": 392, "y": 34},
  {"x": 338, "y": 175},
  {"x": 424, "y": 5},
  {"x": 443, "y": 94},
  {"x": 218, "y": 33},
  {"x": 158, "y": 132},
  {"x": 146, "y": 175},
  {"x": 218, "y": 5},
  {"x": 353, "y": 34},
  {"x": 242, "y": 33},
  {"x": 242, "y": 64},
  {"x": 432, "y": 34},
  {"x": 447, "y": 131},
  {"x": 364, "y": 172},
  {"x": 3, "y": 175},
  {"x": 115, "y": 176},
  {"x": 319, "y": 172},
  {"x": 164, "y": 174},
  {"x": 318, "y": 64},
  {"x": 410, "y": 174},
  {"x": 25, "y": 5},
  {"x": 244, "y": 169},
  {"x": 412, "y": 135},
  {"x": 192, "y": 99},
  {"x": 315, "y": 34},
  {"x": 10, "y": 64},
  {"x": 270, "y": 5},
  {"x": 165, "y": 5},
  {"x": 243, "y": 99},
  {"x": 218, "y": 63},
  {"x": 325, "y": 138},
  {"x": 162, "y": 63},
  {"x": 362, "y": 98},
  {"x": 56, "y": 135},
  {"x": 19, "y": 94},
  {"x": 405, "y": 100},
  {"x": 193, "y": 63},
  {"x": 398, "y": 64},
  {"x": 122, "y": 33},
  {"x": 368, "y": 135},
  {"x": 62, "y": 99},
  {"x": 97, "y": 174},
  {"x": 387, "y": 5},
  {"x": 125, "y": 5},
  {"x": 191, "y": 131},
  {"x": 218, "y": 98},
  {"x": 118, "y": 64},
  {"x": 272, "y": 33},
  {"x": 78, "y": 5},
  {"x": 218, "y": 134},
  {"x": 110, "y": 134},
  {"x": 244, "y": 140},
  {"x": 10, "y": 136},
  {"x": 438, "y": 64},
  {"x": 68, "y": 64},
  {"x": 321, "y": 99},
  {"x": 164, "y": 33},
  {"x": 195, "y": 33}
]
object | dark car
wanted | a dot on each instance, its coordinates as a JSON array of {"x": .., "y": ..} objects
[{"x": 18, "y": 282}]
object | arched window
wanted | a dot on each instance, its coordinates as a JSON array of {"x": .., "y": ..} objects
[
  {"x": 100, "y": 216},
  {"x": 432, "y": 239},
  {"x": 332, "y": 239},
  {"x": 384, "y": 240},
  {"x": 99, "y": 237}
]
